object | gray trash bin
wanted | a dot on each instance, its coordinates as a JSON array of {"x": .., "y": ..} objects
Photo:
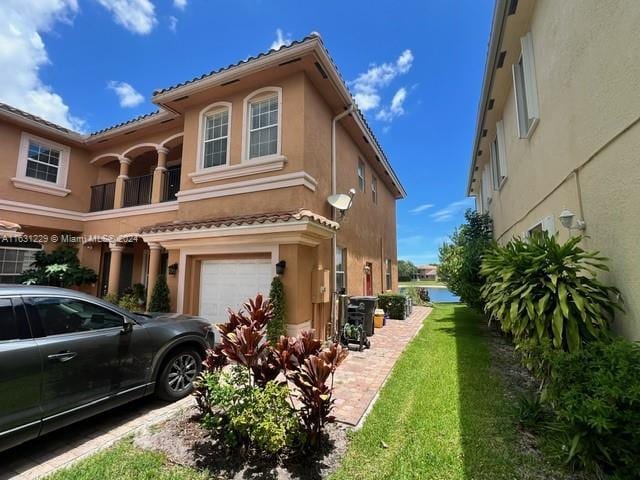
[{"x": 370, "y": 305}]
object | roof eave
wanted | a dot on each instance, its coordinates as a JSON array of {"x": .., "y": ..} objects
[
  {"x": 497, "y": 29},
  {"x": 70, "y": 134}
]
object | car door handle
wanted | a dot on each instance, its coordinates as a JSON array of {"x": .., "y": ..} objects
[{"x": 62, "y": 356}]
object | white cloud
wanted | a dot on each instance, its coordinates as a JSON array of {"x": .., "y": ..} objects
[
  {"x": 173, "y": 23},
  {"x": 452, "y": 209},
  {"x": 23, "y": 54},
  {"x": 395, "y": 109},
  {"x": 421, "y": 208},
  {"x": 181, "y": 4},
  {"x": 127, "y": 95},
  {"x": 367, "y": 85},
  {"x": 137, "y": 16},
  {"x": 281, "y": 40}
]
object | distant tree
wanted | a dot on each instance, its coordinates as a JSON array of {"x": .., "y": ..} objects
[
  {"x": 461, "y": 257},
  {"x": 160, "y": 301},
  {"x": 406, "y": 270},
  {"x": 60, "y": 268}
]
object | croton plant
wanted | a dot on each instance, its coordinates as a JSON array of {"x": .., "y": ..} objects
[{"x": 304, "y": 364}]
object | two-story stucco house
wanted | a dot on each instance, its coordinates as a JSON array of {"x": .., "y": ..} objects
[
  {"x": 559, "y": 131},
  {"x": 226, "y": 183}
]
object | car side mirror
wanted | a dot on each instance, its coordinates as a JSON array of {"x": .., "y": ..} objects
[{"x": 127, "y": 326}]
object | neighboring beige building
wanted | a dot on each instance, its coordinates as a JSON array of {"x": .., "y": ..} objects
[
  {"x": 567, "y": 136},
  {"x": 228, "y": 179},
  {"x": 427, "y": 272}
]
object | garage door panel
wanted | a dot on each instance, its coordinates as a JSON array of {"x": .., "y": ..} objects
[{"x": 230, "y": 283}]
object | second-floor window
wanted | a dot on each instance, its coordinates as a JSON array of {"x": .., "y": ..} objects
[
  {"x": 216, "y": 138},
  {"x": 361, "y": 173},
  {"x": 43, "y": 162},
  {"x": 498, "y": 160},
  {"x": 263, "y": 127},
  {"x": 374, "y": 189},
  {"x": 526, "y": 91}
]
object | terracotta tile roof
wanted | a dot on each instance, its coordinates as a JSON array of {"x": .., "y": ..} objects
[
  {"x": 253, "y": 219},
  {"x": 34, "y": 118},
  {"x": 233, "y": 65},
  {"x": 127, "y": 122}
]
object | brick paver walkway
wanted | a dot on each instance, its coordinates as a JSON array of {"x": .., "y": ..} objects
[
  {"x": 360, "y": 377},
  {"x": 61, "y": 448}
]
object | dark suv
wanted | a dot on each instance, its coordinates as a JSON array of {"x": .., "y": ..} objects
[{"x": 65, "y": 356}]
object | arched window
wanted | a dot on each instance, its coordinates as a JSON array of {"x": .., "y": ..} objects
[
  {"x": 215, "y": 121},
  {"x": 263, "y": 113}
]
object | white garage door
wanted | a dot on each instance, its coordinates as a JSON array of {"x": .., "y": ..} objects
[{"x": 230, "y": 283}]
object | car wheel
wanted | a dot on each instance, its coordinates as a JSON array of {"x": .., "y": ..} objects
[{"x": 177, "y": 376}]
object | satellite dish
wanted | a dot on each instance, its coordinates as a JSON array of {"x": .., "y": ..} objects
[{"x": 342, "y": 201}]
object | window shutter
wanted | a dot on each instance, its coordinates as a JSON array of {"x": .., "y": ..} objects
[
  {"x": 502, "y": 149},
  {"x": 549, "y": 225},
  {"x": 494, "y": 169},
  {"x": 519, "y": 97},
  {"x": 529, "y": 75}
]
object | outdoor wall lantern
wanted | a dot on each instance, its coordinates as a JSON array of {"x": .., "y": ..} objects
[
  {"x": 280, "y": 266},
  {"x": 566, "y": 219},
  {"x": 173, "y": 269}
]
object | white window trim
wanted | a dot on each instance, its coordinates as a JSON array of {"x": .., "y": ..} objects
[
  {"x": 27, "y": 183},
  {"x": 530, "y": 93},
  {"x": 374, "y": 189},
  {"x": 498, "y": 158},
  {"x": 257, "y": 95},
  {"x": 362, "y": 185},
  {"x": 344, "y": 266},
  {"x": 202, "y": 118},
  {"x": 548, "y": 224}
]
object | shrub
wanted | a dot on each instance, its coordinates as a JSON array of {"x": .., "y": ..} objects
[
  {"x": 393, "y": 304},
  {"x": 130, "y": 302},
  {"x": 541, "y": 289},
  {"x": 233, "y": 407},
  {"x": 245, "y": 416},
  {"x": 278, "y": 324},
  {"x": 111, "y": 297},
  {"x": 461, "y": 257},
  {"x": 595, "y": 393},
  {"x": 418, "y": 295},
  {"x": 160, "y": 301},
  {"x": 60, "y": 268}
]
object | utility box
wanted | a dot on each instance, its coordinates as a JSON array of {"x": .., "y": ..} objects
[{"x": 320, "y": 286}]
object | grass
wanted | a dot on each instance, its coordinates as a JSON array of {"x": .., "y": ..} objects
[
  {"x": 443, "y": 413},
  {"x": 124, "y": 461}
]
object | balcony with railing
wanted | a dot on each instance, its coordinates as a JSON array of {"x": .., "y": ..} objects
[
  {"x": 102, "y": 196},
  {"x": 136, "y": 191}
]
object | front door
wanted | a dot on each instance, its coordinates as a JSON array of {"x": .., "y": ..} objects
[
  {"x": 368, "y": 279},
  {"x": 86, "y": 357},
  {"x": 20, "y": 376}
]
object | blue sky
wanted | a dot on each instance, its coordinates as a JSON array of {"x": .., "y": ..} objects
[{"x": 416, "y": 67}]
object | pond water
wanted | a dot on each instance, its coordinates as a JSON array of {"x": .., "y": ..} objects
[{"x": 438, "y": 294}]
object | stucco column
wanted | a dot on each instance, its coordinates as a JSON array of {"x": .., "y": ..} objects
[
  {"x": 154, "y": 269},
  {"x": 159, "y": 176},
  {"x": 114, "y": 268},
  {"x": 118, "y": 199}
]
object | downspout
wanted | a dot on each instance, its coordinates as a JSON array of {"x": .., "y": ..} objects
[{"x": 334, "y": 245}]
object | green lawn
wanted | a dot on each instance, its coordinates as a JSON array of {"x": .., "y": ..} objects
[
  {"x": 442, "y": 414},
  {"x": 125, "y": 462}
]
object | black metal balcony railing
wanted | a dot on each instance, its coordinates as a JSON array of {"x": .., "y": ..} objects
[
  {"x": 137, "y": 190},
  {"x": 171, "y": 184},
  {"x": 102, "y": 196}
]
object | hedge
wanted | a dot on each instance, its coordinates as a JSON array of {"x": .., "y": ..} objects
[{"x": 393, "y": 304}]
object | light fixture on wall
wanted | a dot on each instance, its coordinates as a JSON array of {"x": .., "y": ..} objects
[
  {"x": 566, "y": 219},
  {"x": 173, "y": 269},
  {"x": 280, "y": 266}
]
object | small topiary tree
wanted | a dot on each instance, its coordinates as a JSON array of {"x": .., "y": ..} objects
[
  {"x": 278, "y": 324},
  {"x": 160, "y": 301}
]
